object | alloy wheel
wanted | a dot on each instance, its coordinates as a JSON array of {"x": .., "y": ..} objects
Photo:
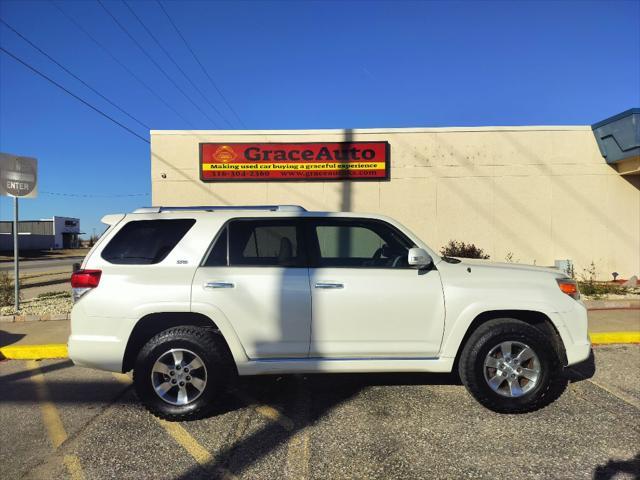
[
  {"x": 512, "y": 369},
  {"x": 179, "y": 376}
]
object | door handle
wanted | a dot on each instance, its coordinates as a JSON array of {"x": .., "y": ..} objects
[
  {"x": 218, "y": 285},
  {"x": 329, "y": 285}
]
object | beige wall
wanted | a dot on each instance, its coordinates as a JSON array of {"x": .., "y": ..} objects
[{"x": 539, "y": 193}]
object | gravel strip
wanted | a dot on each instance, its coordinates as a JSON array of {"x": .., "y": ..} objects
[{"x": 57, "y": 304}]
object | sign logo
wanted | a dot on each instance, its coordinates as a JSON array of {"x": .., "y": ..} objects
[
  {"x": 294, "y": 161},
  {"x": 225, "y": 154},
  {"x": 18, "y": 176}
]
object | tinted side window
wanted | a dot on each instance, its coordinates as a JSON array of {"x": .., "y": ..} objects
[
  {"x": 146, "y": 241},
  {"x": 348, "y": 242},
  {"x": 265, "y": 243},
  {"x": 360, "y": 244},
  {"x": 218, "y": 254}
]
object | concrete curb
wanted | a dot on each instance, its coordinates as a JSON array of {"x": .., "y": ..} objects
[
  {"x": 46, "y": 283},
  {"x": 34, "y": 318},
  {"x": 605, "y": 304},
  {"x": 59, "y": 350}
]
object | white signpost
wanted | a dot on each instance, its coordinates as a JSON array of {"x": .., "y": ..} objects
[{"x": 18, "y": 178}]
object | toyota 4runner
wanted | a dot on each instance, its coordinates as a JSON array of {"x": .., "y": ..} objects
[{"x": 189, "y": 297}]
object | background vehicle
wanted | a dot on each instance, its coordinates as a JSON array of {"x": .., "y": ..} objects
[{"x": 188, "y": 297}]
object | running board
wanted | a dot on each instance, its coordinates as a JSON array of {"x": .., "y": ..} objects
[{"x": 344, "y": 365}]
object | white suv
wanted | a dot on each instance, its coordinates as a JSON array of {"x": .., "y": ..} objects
[{"x": 188, "y": 297}]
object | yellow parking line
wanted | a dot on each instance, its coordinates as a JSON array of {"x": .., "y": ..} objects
[
  {"x": 72, "y": 462},
  {"x": 298, "y": 452},
  {"x": 606, "y": 338},
  {"x": 50, "y": 416},
  {"x": 186, "y": 441},
  {"x": 52, "y": 421},
  {"x": 274, "y": 415},
  {"x": 34, "y": 352},
  {"x": 183, "y": 438},
  {"x": 265, "y": 410},
  {"x": 298, "y": 455},
  {"x": 193, "y": 448},
  {"x": 177, "y": 432},
  {"x": 122, "y": 378}
]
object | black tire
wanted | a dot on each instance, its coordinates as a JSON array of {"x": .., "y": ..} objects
[
  {"x": 548, "y": 386},
  {"x": 210, "y": 349}
]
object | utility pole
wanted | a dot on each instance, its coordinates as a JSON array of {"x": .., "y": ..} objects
[{"x": 16, "y": 257}]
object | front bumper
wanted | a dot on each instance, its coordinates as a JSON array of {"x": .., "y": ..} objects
[{"x": 572, "y": 326}]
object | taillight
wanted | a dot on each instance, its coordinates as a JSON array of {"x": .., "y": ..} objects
[
  {"x": 84, "y": 280},
  {"x": 570, "y": 287}
]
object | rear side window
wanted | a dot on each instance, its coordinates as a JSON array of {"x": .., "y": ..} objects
[
  {"x": 218, "y": 254},
  {"x": 145, "y": 242},
  {"x": 275, "y": 243}
]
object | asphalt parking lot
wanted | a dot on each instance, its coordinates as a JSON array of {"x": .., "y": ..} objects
[{"x": 61, "y": 421}]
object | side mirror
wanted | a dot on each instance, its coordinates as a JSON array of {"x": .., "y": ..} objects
[{"x": 419, "y": 258}]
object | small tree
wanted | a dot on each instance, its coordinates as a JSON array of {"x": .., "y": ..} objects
[{"x": 463, "y": 250}]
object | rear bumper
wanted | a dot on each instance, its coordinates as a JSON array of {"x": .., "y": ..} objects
[
  {"x": 573, "y": 329},
  {"x": 96, "y": 351},
  {"x": 98, "y": 342}
]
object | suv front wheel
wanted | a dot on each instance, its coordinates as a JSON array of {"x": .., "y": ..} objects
[
  {"x": 180, "y": 372},
  {"x": 510, "y": 366}
]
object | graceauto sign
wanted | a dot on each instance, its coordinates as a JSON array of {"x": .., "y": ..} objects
[{"x": 294, "y": 161}]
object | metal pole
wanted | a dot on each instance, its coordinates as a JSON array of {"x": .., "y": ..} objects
[{"x": 16, "y": 268}]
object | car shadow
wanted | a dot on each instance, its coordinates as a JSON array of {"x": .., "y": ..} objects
[
  {"x": 7, "y": 338},
  {"x": 613, "y": 468},
  {"x": 274, "y": 389},
  {"x": 300, "y": 401}
]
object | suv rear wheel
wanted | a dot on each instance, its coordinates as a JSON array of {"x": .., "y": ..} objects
[
  {"x": 510, "y": 366},
  {"x": 180, "y": 372}
]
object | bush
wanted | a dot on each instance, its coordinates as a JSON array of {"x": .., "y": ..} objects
[
  {"x": 589, "y": 286},
  {"x": 600, "y": 289},
  {"x": 462, "y": 250},
  {"x": 6, "y": 290}
]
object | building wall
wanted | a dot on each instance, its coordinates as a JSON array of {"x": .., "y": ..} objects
[
  {"x": 39, "y": 234},
  {"x": 64, "y": 225},
  {"x": 535, "y": 193},
  {"x": 35, "y": 227},
  {"x": 26, "y": 242}
]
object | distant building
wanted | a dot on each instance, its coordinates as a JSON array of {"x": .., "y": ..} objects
[{"x": 57, "y": 232}]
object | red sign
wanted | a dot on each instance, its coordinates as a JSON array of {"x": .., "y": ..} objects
[{"x": 294, "y": 161}]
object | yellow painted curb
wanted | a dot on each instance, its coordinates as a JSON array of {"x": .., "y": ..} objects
[
  {"x": 34, "y": 352},
  {"x": 606, "y": 338}
]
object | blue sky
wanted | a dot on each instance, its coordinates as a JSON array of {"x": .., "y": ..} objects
[{"x": 295, "y": 65}]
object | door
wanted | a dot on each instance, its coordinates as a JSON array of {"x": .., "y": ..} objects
[
  {"x": 366, "y": 300},
  {"x": 256, "y": 274}
]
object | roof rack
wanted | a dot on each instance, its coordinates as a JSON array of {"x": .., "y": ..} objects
[{"x": 213, "y": 208}]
